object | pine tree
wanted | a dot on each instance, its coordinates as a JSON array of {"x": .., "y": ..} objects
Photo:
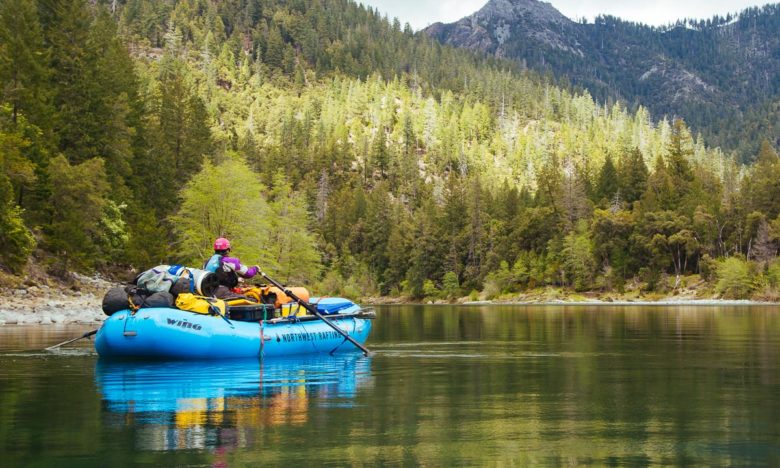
[
  {"x": 20, "y": 149},
  {"x": 179, "y": 137},
  {"x": 149, "y": 241},
  {"x": 16, "y": 241},
  {"x": 578, "y": 261},
  {"x": 182, "y": 120},
  {"x": 633, "y": 176},
  {"x": 379, "y": 212},
  {"x": 274, "y": 52},
  {"x": 94, "y": 89},
  {"x": 399, "y": 246},
  {"x": 680, "y": 152},
  {"x": 573, "y": 195},
  {"x": 23, "y": 61},
  {"x": 761, "y": 187},
  {"x": 475, "y": 235},
  {"x": 380, "y": 157},
  {"x": 660, "y": 193},
  {"x": 608, "y": 183},
  {"x": 77, "y": 206},
  {"x": 767, "y": 155},
  {"x": 425, "y": 256},
  {"x": 80, "y": 115},
  {"x": 116, "y": 91}
]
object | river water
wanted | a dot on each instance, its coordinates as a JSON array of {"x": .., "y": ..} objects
[{"x": 470, "y": 385}]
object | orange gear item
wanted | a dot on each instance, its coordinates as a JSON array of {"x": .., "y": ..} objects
[{"x": 281, "y": 298}]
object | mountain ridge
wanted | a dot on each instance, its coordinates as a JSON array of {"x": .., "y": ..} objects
[{"x": 715, "y": 73}]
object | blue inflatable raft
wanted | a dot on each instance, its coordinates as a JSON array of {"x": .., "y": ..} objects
[{"x": 167, "y": 333}]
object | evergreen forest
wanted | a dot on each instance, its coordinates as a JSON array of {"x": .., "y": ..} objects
[{"x": 341, "y": 150}]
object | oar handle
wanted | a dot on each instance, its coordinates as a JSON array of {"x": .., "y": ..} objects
[{"x": 316, "y": 313}]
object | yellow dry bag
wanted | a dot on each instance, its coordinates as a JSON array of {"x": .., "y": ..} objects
[{"x": 200, "y": 304}]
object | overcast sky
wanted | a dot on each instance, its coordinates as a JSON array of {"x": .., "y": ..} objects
[{"x": 421, "y": 13}]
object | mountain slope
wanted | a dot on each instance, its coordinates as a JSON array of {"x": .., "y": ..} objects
[
  {"x": 717, "y": 74},
  {"x": 137, "y": 131}
]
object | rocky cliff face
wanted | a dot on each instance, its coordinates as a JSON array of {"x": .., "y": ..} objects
[
  {"x": 503, "y": 22},
  {"x": 714, "y": 73}
]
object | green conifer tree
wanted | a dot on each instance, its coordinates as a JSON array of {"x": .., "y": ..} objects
[
  {"x": 633, "y": 176},
  {"x": 679, "y": 152},
  {"x": 16, "y": 241},
  {"x": 608, "y": 183},
  {"x": 80, "y": 116},
  {"x": 23, "y": 61},
  {"x": 274, "y": 52},
  {"x": 77, "y": 204}
]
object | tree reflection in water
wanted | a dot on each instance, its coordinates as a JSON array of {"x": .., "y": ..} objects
[{"x": 222, "y": 404}]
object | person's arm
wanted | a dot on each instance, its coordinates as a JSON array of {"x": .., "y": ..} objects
[{"x": 241, "y": 269}]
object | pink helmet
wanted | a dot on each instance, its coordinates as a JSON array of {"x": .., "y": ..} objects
[{"x": 221, "y": 244}]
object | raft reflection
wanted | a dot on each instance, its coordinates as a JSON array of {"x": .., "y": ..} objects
[{"x": 185, "y": 405}]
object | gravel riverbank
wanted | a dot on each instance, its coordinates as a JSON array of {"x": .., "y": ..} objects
[
  {"x": 45, "y": 305},
  {"x": 80, "y": 302}
]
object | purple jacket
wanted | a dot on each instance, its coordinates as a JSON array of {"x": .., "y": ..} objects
[{"x": 233, "y": 262}]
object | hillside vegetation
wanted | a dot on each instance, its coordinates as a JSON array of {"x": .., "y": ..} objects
[{"x": 339, "y": 149}]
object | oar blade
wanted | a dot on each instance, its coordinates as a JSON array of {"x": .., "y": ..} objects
[{"x": 85, "y": 335}]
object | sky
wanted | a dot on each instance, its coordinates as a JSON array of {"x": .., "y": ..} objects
[{"x": 421, "y": 13}]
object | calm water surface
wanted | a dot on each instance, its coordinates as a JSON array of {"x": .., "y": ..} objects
[{"x": 482, "y": 385}]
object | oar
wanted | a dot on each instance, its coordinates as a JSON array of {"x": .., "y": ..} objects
[
  {"x": 85, "y": 335},
  {"x": 315, "y": 312}
]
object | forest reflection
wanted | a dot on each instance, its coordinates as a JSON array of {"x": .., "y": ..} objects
[{"x": 552, "y": 384}]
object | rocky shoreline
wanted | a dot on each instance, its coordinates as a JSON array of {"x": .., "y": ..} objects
[
  {"x": 591, "y": 302},
  {"x": 41, "y": 304}
]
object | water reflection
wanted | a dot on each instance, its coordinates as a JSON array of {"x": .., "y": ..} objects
[
  {"x": 446, "y": 386},
  {"x": 186, "y": 405}
]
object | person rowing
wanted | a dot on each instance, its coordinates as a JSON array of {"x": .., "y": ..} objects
[{"x": 227, "y": 268}]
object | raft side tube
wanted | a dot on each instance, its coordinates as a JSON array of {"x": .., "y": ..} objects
[{"x": 167, "y": 333}]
